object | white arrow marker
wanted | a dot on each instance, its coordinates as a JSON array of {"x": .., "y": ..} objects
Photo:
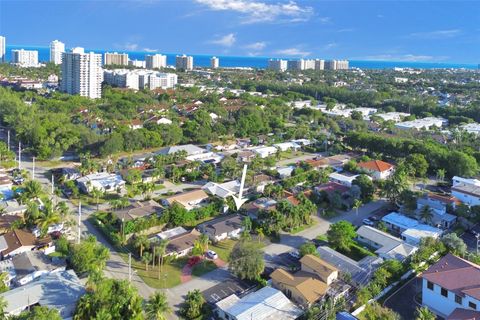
[{"x": 239, "y": 200}]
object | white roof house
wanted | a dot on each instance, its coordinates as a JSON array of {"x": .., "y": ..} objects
[
  {"x": 59, "y": 290},
  {"x": 425, "y": 123},
  {"x": 103, "y": 181},
  {"x": 343, "y": 178},
  {"x": 393, "y": 116},
  {"x": 388, "y": 246},
  {"x": 265, "y": 151},
  {"x": 471, "y": 128},
  {"x": 265, "y": 304},
  {"x": 189, "y": 148},
  {"x": 222, "y": 190},
  {"x": 285, "y": 172},
  {"x": 285, "y": 146},
  {"x": 302, "y": 142},
  {"x": 170, "y": 233},
  {"x": 411, "y": 230}
]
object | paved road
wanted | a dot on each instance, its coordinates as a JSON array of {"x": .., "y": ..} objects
[{"x": 297, "y": 159}]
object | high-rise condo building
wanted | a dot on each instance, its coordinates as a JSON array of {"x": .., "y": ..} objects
[
  {"x": 140, "y": 79},
  {"x": 184, "y": 62},
  {"x": 82, "y": 73},
  {"x": 118, "y": 59},
  {"x": 137, "y": 63},
  {"x": 319, "y": 64},
  {"x": 214, "y": 62},
  {"x": 336, "y": 65},
  {"x": 277, "y": 64},
  {"x": 25, "y": 58},
  {"x": 56, "y": 50},
  {"x": 155, "y": 61},
  {"x": 3, "y": 47}
]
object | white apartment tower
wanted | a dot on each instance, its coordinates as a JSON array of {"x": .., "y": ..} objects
[
  {"x": 82, "y": 73},
  {"x": 3, "y": 47},
  {"x": 155, "y": 61},
  {"x": 118, "y": 59},
  {"x": 319, "y": 64},
  {"x": 277, "y": 65},
  {"x": 184, "y": 62},
  {"x": 25, "y": 58},
  {"x": 214, "y": 62},
  {"x": 56, "y": 50}
]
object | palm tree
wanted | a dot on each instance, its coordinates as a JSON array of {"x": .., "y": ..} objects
[
  {"x": 440, "y": 175},
  {"x": 31, "y": 190},
  {"x": 32, "y": 213},
  {"x": 3, "y": 307},
  {"x": 157, "y": 307},
  {"x": 62, "y": 208},
  {"x": 96, "y": 194},
  {"x": 162, "y": 248},
  {"x": 204, "y": 241},
  {"x": 356, "y": 204},
  {"x": 426, "y": 214},
  {"x": 146, "y": 258},
  {"x": 140, "y": 242},
  {"x": 260, "y": 234},
  {"x": 48, "y": 217},
  {"x": 424, "y": 313}
]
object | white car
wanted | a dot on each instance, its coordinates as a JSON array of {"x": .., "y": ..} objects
[
  {"x": 212, "y": 254},
  {"x": 368, "y": 222},
  {"x": 294, "y": 254}
]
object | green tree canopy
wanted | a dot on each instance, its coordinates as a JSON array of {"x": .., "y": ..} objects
[
  {"x": 246, "y": 260},
  {"x": 341, "y": 235}
]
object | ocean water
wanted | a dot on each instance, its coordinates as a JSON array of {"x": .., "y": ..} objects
[{"x": 255, "y": 62}]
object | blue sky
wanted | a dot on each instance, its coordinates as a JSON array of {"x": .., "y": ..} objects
[{"x": 425, "y": 31}]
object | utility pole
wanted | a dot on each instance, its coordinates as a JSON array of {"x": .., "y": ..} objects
[
  {"x": 33, "y": 168},
  {"x": 478, "y": 240},
  {"x": 129, "y": 267},
  {"x": 19, "y": 155},
  {"x": 8, "y": 139},
  {"x": 79, "y": 218},
  {"x": 53, "y": 185}
]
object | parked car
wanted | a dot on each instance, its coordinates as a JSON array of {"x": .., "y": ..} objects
[
  {"x": 368, "y": 222},
  {"x": 294, "y": 254},
  {"x": 212, "y": 254}
]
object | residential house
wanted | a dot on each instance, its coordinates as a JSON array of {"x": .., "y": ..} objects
[
  {"x": 18, "y": 241},
  {"x": 225, "y": 227},
  {"x": 439, "y": 205},
  {"x": 223, "y": 190},
  {"x": 302, "y": 142},
  {"x": 451, "y": 287},
  {"x": 360, "y": 271},
  {"x": 260, "y": 181},
  {"x": 286, "y": 146},
  {"x": 387, "y": 246},
  {"x": 379, "y": 170},
  {"x": 12, "y": 207},
  {"x": 139, "y": 209},
  {"x": 58, "y": 290},
  {"x": 466, "y": 190},
  {"x": 190, "y": 149},
  {"x": 310, "y": 284},
  {"x": 189, "y": 200},
  {"x": 285, "y": 172},
  {"x": 246, "y": 156},
  {"x": 410, "y": 230},
  {"x": 7, "y": 221},
  {"x": 170, "y": 233},
  {"x": 103, "y": 181},
  {"x": 253, "y": 208},
  {"x": 264, "y": 152},
  {"x": 28, "y": 266},
  {"x": 343, "y": 178},
  {"x": 182, "y": 244},
  {"x": 332, "y": 187},
  {"x": 265, "y": 304}
]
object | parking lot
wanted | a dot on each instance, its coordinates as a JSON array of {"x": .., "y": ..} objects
[{"x": 227, "y": 288}]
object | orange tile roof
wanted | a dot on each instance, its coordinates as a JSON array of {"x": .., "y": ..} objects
[{"x": 375, "y": 165}]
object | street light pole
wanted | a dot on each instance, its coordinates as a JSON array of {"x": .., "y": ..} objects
[
  {"x": 129, "y": 267},
  {"x": 79, "y": 219},
  {"x": 33, "y": 168}
]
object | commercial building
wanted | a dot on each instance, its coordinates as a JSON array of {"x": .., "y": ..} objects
[
  {"x": 57, "y": 48},
  {"x": 184, "y": 62},
  {"x": 82, "y": 73},
  {"x": 451, "y": 287},
  {"x": 277, "y": 64},
  {"x": 118, "y": 59},
  {"x": 155, "y": 61},
  {"x": 336, "y": 64},
  {"x": 3, "y": 47},
  {"x": 140, "y": 79},
  {"x": 214, "y": 63},
  {"x": 25, "y": 58},
  {"x": 264, "y": 304},
  {"x": 425, "y": 123}
]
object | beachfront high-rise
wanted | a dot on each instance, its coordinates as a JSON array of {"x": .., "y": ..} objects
[
  {"x": 56, "y": 50},
  {"x": 184, "y": 62},
  {"x": 155, "y": 61},
  {"x": 82, "y": 73},
  {"x": 336, "y": 65},
  {"x": 117, "y": 59},
  {"x": 214, "y": 63},
  {"x": 25, "y": 58},
  {"x": 277, "y": 64},
  {"x": 3, "y": 47}
]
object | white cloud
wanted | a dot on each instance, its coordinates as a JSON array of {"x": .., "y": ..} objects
[
  {"x": 150, "y": 50},
  {"x": 256, "y": 11},
  {"x": 292, "y": 52},
  {"x": 405, "y": 58},
  {"x": 227, "y": 40},
  {"x": 438, "y": 34},
  {"x": 129, "y": 46},
  {"x": 324, "y": 20},
  {"x": 256, "y": 46},
  {"x": 329, "y": 46}
]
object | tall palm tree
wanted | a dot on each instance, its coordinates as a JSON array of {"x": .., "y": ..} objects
[
  {"x": 32, "y": 213},
  {"x": 140, "y": 242},
  {"x": 96, "y": 194},
  {"x": 260, "y": 234},
  {"x": 146, "y": 258},
  {"x": 162, "y": 248},
  {"x": 204, "y": 241},
  {"x": 31, "y": 190},
  {"x": 426, "y": 214},
  {"x": 157, "y": 307},
  {"x": 62, "y": 209},
  {"x": 47, "y": 217}
]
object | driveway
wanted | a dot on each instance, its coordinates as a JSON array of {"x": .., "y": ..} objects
[{"x": 403, "y": 300}]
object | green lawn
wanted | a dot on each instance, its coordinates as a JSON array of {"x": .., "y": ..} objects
[
  {"x": 356, "y": 252},
  {"x": 223, "y": 248},
  {"x": 303, "y": 227}
]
